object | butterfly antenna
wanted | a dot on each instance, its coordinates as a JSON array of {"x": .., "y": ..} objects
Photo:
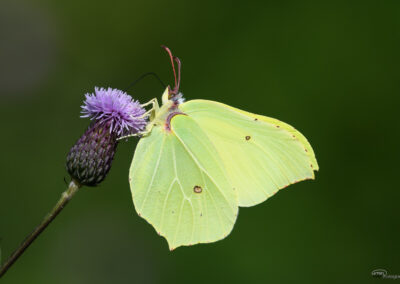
[
  {"x": 177, "y": 81},
  {"x": 176, "y": 89},
  {"x": 141, "y": 77}
]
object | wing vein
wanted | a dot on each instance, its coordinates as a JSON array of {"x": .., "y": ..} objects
[
  {"x": 201, "y": 168},
  {"x": 215, "y": 205},
  {"x": 165, "y": 203},
  {"x": 154, "y": 174},
  {"x": 274, "y": 161},
  {"x": 287, "y": 157},
  {"x": 180, "y": 186},
  {"x": 179, "y": 219}
]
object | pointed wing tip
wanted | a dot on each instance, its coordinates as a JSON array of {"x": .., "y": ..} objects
[{"x": 172, "y": 247}]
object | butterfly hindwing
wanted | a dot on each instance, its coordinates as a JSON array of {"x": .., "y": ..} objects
[{"x": 179, "y": 185}]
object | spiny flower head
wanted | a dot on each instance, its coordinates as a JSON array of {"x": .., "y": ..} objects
[
  {"x": 117, "y": 108},
  {"x": 113, "y": 114}
]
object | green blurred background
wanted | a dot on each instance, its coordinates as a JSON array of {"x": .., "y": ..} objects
[{"x": 330, "y": 68}]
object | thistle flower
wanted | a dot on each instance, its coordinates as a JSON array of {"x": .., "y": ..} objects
[
  {"x": 117, "y": 107},
  {"x": 114, "y": 114}
]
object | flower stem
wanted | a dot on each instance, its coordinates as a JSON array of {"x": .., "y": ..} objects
[{"x": 65, "y": 197}]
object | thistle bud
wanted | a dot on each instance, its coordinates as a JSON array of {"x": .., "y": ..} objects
[{"x": 113, "y": 114}]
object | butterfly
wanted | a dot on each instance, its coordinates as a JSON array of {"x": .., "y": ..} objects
[{"x": 198, "y": 161}]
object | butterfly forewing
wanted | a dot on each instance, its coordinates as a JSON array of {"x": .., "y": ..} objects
[{"x": 260, "y": 154}]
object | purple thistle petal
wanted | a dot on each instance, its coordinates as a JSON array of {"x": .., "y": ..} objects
[{"x": 116, "y": 107}]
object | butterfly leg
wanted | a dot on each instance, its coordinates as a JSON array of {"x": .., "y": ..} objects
[
  {"x": 128, "y": 136},
  {"x": 151, "y": 113},
  {"x": 153, "y": 102},
  {"x": 147, "y": 113},
  {"x": 140, "y": 134},
  {"x": 154, "y": 108}
]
